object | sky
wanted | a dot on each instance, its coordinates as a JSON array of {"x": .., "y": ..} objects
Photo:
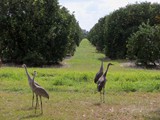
[{"x": 88, "y": 12}]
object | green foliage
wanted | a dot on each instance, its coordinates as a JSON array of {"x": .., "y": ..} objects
[
  {"x": 144, "y": 45},
  {"x": 36, "y": 30},
  {"x": 74, "y": 33},
  {"x": 124, "y": 22},
  {"x": 113, "y": 32},
  {"x": 97, "y": 34}
]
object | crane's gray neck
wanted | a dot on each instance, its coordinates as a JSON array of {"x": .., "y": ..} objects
[
  {"x": 101, "y": 68},
  {"x": 34, "y": 75},
  {"x": 106, "y": 70},
  {"x": 34, "y": 86},
  {"x": 29, "y": 78}
]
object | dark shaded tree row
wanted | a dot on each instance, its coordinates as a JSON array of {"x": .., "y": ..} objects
[
  {"x": 144, "y": 45},
  {"x": 97, "y": 35},
  {"x": 111, "y": 33},
  {"x": 36, "y": 32}
]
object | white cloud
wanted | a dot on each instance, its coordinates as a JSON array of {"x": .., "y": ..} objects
[{"x": 88, "y": 12}]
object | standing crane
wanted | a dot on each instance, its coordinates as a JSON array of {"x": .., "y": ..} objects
[
  {"x": 30, "y": 80},
  {"x": 99, "y": 73},
  {"x": 102, "y": 81},
  {"x": 39, "y": 91}
]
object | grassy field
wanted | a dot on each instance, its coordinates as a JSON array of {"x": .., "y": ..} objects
[{"x": 131, "y": 94}]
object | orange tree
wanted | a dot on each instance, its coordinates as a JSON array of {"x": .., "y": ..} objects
[
  {"x": 144, "y": 45},
  {"x": 36, "y": 32}
]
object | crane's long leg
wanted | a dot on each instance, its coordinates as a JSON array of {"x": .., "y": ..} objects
[
  {"x": 100, "y": 96},
  {"x": 41, "y": 105},
  {"x": 36, "y": 102},
  {"x": 32, "y": 99},
  {"x": 104, "y": 95}
]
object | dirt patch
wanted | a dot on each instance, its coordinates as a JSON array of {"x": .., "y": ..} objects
[
  {"x": 131, "y": 64},
  {"x": 56, "y": 65},
  {"x": 128, "y": 64}
]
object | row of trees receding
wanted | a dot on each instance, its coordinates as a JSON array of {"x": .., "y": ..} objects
[
  {"x": 130, "y": 32},
  {"x": 37, "y": 32}
]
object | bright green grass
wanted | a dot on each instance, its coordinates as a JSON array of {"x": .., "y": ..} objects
[{"x": 85, "y": 58}]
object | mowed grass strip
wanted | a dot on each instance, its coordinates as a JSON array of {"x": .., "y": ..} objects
[
  {"x": 130, "y": 93},
  {"x": 80, "y": 106}
]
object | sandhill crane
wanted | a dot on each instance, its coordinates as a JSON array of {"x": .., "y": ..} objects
[
  {"x": 39, "y": 91},
  {"x": 30, "y": 80},
  {"x": 99, "y": 73},
  {"x": 102, "y": 81}
]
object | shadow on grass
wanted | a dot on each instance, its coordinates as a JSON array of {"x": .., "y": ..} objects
[
  {"x": 26, "y": 109},
  {"x": 97, "y": 104},
  {"x": 31, "y": 116},
  {"x": 154, "y": 115}
]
